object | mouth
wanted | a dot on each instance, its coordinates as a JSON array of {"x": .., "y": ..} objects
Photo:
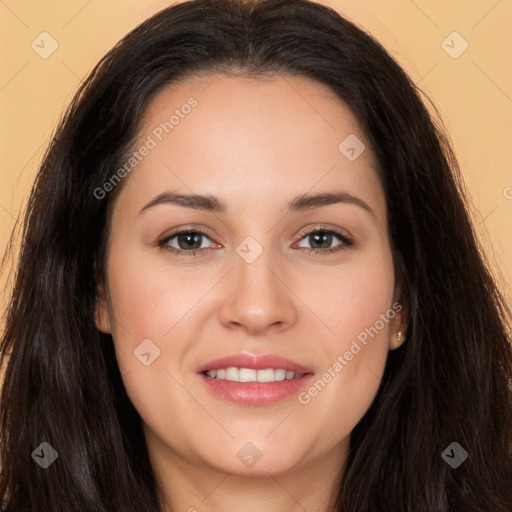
[
  {"x": 254, "y": 380},
  {"x": 235, "y": 374}
]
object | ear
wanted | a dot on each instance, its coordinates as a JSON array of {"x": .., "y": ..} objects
[
  {"x": 399, "y": 323},
  {"x": 102, "y": 313}
]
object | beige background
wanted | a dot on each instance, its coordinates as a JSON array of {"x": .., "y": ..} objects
[{"x": 472, "y": 92}]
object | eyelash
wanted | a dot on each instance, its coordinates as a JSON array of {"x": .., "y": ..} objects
[{"x": 346, "y": 241}]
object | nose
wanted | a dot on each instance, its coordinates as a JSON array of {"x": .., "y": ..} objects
[{"x": 258, "y": 297}]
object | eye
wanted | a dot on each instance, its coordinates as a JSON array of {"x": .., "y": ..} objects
[
  {"x": 322, "y": 238},
  {"x": 189, "y": 242}
]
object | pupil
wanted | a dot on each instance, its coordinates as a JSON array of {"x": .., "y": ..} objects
[
  {"x": 190, "y": 239},
  {"x": 318, "y": 236}
]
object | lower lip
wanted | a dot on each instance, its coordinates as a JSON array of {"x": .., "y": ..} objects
[{"x": 256, "y": 393}]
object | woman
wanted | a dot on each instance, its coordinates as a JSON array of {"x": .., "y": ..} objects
[{"x": 248, "y": 279}]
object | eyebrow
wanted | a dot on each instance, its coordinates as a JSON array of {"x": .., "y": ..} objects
[{"x": 213, "y": 204}]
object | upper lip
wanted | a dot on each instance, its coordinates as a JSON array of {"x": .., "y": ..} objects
[{"x": 260, "y": 362}]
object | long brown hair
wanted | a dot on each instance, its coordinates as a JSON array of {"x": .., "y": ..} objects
[{"x": 450, "y": 382}]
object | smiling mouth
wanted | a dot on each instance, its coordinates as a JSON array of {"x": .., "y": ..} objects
[
  {"x": 235, "y": 374},
  {"x": 251, "y": 387}
]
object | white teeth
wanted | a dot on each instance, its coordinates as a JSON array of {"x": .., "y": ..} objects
[
  {"x": 279, "y": 374},
  {"x": 246, "y": 375},
  {"x": 251, "y": 375},
  {"x": 265, "y": 375},
  {"x": 232, "y": 373}
]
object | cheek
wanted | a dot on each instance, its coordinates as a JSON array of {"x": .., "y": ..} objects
[
  {"x": 150, "y": 303},
  {"x": 350, "y": 298},
  {"x": 150, "y": 299},
  {"x": 356, "y": 309}
]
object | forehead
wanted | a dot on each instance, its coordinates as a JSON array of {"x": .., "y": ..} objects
[{"x": 247, "y": 140}]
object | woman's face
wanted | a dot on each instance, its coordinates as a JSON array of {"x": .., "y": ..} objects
[{"x": 278, "y": 274}]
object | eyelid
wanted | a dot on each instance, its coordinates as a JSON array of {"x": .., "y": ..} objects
[
  {"x": 324, "y": 227},
  {"x": 186, "y": 229}
]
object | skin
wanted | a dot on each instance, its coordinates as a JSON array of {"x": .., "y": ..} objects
[{"x": 255, "y": 144}]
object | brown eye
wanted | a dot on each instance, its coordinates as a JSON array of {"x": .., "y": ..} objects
[
  {"x": 189, "y": 240},
  {"x": 186, "y": 242},
  {"x": 321, "y": 241}
]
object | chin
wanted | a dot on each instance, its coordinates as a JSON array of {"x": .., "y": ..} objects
[{"x": 256, "y": 458}]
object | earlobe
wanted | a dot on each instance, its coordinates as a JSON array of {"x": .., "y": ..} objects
[
  {"x": 101, "y": 313},
  {"x": 399, "y": 324},
  {"x": 397, "y": 334}
]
